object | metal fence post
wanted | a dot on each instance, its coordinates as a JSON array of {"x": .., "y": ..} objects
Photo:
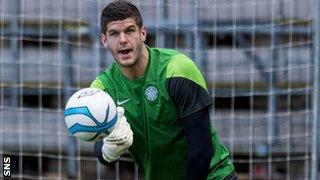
[
  {"x": 316, "y": 92},
  {"x": 14, "y": 48},
  {"x": 68, "y": 81}
]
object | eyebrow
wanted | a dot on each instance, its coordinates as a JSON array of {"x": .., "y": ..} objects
[
  {"x": 114, "y": 30},
  {"x": 131, "y": 26},
  {"x": 111, "y": 31}
]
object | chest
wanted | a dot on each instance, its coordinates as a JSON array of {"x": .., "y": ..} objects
[{"x": 148, "y": 101}]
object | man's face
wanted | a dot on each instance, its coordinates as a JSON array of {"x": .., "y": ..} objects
[{"x": 124, "y": 40}]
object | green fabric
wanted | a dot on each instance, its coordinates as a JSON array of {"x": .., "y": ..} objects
[
  {"x": 159, "y": 143},
  {"x": 182, "y": 66},
  {"x": 97, "y": 84},
  {"x": 220, "y": 165}
]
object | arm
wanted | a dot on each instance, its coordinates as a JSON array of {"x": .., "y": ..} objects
[
  {"x": 196, "y": 127},
  {"x": 98, "y": 152},
  {"x": 193, "y": 104}
]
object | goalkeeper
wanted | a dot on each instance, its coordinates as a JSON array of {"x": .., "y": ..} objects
[{"x": 164, "y": 105}]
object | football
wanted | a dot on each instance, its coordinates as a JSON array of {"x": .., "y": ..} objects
[{"x": 90, "y": 114}]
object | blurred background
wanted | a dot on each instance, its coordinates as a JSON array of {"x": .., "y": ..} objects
[{"x": 260, "y": 59}]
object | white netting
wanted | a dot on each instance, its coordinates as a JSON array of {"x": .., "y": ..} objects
[{"x": 256, "y": 55}]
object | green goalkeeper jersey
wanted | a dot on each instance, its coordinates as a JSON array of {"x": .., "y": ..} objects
[{"x": 160, "y": 146}]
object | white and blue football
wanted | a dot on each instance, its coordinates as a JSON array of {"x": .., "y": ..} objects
[{"x": 90, "y": 114}]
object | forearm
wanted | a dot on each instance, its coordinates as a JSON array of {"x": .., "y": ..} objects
[
  {"x": 98, "y": 152},
  {"x": 197, "y": 129}
]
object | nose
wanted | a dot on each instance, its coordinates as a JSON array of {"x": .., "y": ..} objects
[{"x": 123, "y": 38}]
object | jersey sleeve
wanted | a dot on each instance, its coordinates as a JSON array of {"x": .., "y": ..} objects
[
  {"x": 188, "y": 90},
  {"x": 186, "y": 86},
  {"x": 97, "y": 83},
  {"x": 200, "y": 146}
]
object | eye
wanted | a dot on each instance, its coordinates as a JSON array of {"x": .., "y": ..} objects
[
  {"x": 130, "y": 30},
  {"x": 113, "y": 34}
]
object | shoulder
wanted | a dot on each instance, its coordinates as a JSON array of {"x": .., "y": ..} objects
[
  {"x": 97, "y": 83},
  {"x": 182, "y": 66},
  {"x": 163, "y": 55},
  {"x": 104, "y": 80},
  {"x": 180, "y": 63},
  {"x": 163, "y": 52}
]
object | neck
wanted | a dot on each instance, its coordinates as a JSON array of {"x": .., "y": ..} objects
[{"x": 139, "y": 68}]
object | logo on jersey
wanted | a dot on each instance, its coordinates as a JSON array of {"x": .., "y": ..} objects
[
  {"x": 151, "y": 93},
  {"x": 122, "y": 102}
]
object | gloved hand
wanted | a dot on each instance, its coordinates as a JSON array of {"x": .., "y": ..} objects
[{"x": 119, "y": 140}]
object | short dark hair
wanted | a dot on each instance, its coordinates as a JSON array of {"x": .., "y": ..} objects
[{"x": 119, "y": 10}]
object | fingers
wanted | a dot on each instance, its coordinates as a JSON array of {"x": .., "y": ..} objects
[
  {"x": 122, "y": 131},
  {"x": 120, "y": 111},
  {"x": 118, "y": 140}
]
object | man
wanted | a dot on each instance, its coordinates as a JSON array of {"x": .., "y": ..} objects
[{"x": 166, "y": 124}]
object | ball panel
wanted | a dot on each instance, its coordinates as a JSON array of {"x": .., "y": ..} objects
[
  {"x": 77, "y": 127},
  {"x": 109, "y": 124},
  {"x": 99, "y": 107},
  {"x": 86, "y": 136},
  {"x": 80, "y": 119},
  {"x": 83, "y": 110}
]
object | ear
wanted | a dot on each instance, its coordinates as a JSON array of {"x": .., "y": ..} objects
[
  {"x": 143, "y": 33},
  {"x": 104, "y": 40}
]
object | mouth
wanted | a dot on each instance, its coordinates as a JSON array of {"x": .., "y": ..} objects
[{"x": 125, "y": 51}]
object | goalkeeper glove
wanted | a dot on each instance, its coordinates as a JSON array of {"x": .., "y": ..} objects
[{"x": 119, "y": 140}]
